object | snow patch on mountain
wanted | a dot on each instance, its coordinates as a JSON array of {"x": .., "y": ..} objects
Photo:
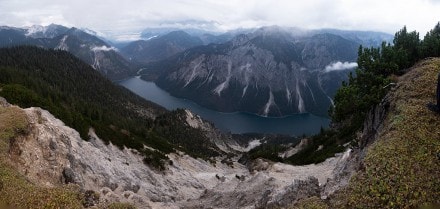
[
  {"x": 93, "y": 32},
  {"x": 35, "y": 29}
]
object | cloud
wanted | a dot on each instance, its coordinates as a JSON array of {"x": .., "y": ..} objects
[
  {"x": 340, "y": 66},
  {"x": 134, "y": 15},
  {"x": 103, "y": 48}
]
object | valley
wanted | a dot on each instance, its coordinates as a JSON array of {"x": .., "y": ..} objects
[
  {"x": 269, "y": 71},
  {"x": 235, "y": 122},
  {"x": 264, "y": 117}
]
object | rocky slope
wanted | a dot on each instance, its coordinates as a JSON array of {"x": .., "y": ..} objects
[
  {"x": 398, "y": 149},
  {"x": 89, "y": 48},
  {"x": 398, "y": 144},
  {"x": 269, "y": 72},
  {"x": 52, "y": 154}
]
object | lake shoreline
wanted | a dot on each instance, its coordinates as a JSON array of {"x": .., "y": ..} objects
[{"x": 234, "y": 122}]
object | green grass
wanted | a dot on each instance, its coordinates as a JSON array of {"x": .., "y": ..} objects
[
  {"x": 15, "y": 190},
  {"x": 401, "y": 169},
  {"x": 312, "y": 203},
  {"x": 119, "y": 205}
]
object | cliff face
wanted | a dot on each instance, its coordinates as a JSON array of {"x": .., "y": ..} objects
[
  {"x": 270, "y": 73},
  {"x": 52, "y": 155}
]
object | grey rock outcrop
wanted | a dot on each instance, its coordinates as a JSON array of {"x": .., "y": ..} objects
[
  {"x": 353, "y": 161},
  {"x": 53, "y": 154},
  {"x": 374, "y": 122},
  {"x": 3, "y": 102}
]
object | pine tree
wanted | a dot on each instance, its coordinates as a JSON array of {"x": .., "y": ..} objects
[
  {"x": 431, "y": 42},
  {"x": 407, "y": 46}
]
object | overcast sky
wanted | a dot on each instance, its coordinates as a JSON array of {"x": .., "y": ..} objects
[{"x": 134, "y": 15}]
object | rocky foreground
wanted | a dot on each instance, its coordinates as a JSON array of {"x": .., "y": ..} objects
[{"x": 52, "y": 154}]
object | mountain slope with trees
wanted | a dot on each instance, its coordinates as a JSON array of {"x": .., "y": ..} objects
[
  {"x": 78, "y": 95},
  {"x": 377, "y": 72},
  {"x": 87, "y": 47},
  {"x": 400, "y": 168}
]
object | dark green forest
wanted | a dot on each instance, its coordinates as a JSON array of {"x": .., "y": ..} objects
[
  {"x": 82, "y": 98},
  {"x": 377, "y": 68}
]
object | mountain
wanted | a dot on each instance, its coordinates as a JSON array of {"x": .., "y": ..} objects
[
  {"x": 45, "y": 163},
  {"x": 159, "y": 48},
  {"x": 79, "y": 128},
  {"x": 94, "y": 51},
  {"x": 149, "y": 33},
  {"x": 215, "y": 38},
  {"x": 10, "y": 35},
  {"x": 269, "y": 72},
  {"x": 89, "y": 48},
  {"x": 50, "y": 31},
  {"x": 365, "y": 38},
  {"x": 85, "y": 100}
]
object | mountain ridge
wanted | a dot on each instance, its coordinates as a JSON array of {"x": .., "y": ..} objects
[
  {"x": 159, "y": 48},
  {"x": 85, "y": 46},
  {"x": 262, "y": 72}
]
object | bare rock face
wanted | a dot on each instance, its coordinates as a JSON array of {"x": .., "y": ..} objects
[
  {"x": 374, "y": 121},
  {"x": 269, "y": 73},
  {"x": 54, "y": 154},
  {"x": 3, "y": 102}
]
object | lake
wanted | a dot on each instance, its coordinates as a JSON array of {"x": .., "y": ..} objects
[{"x": 237, "y": 122}]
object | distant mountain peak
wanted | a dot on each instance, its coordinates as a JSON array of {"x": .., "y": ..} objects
[
  {"x": 80, "y": 42},
  {"x": 49, "y": 31},
  {"x": 160, "y": 47}
]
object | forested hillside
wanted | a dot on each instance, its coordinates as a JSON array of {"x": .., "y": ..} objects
[
  {"x": 377, "y": 72},
  {"x": 78, "y": 95},
  {"x": 400, "y": 168}
]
